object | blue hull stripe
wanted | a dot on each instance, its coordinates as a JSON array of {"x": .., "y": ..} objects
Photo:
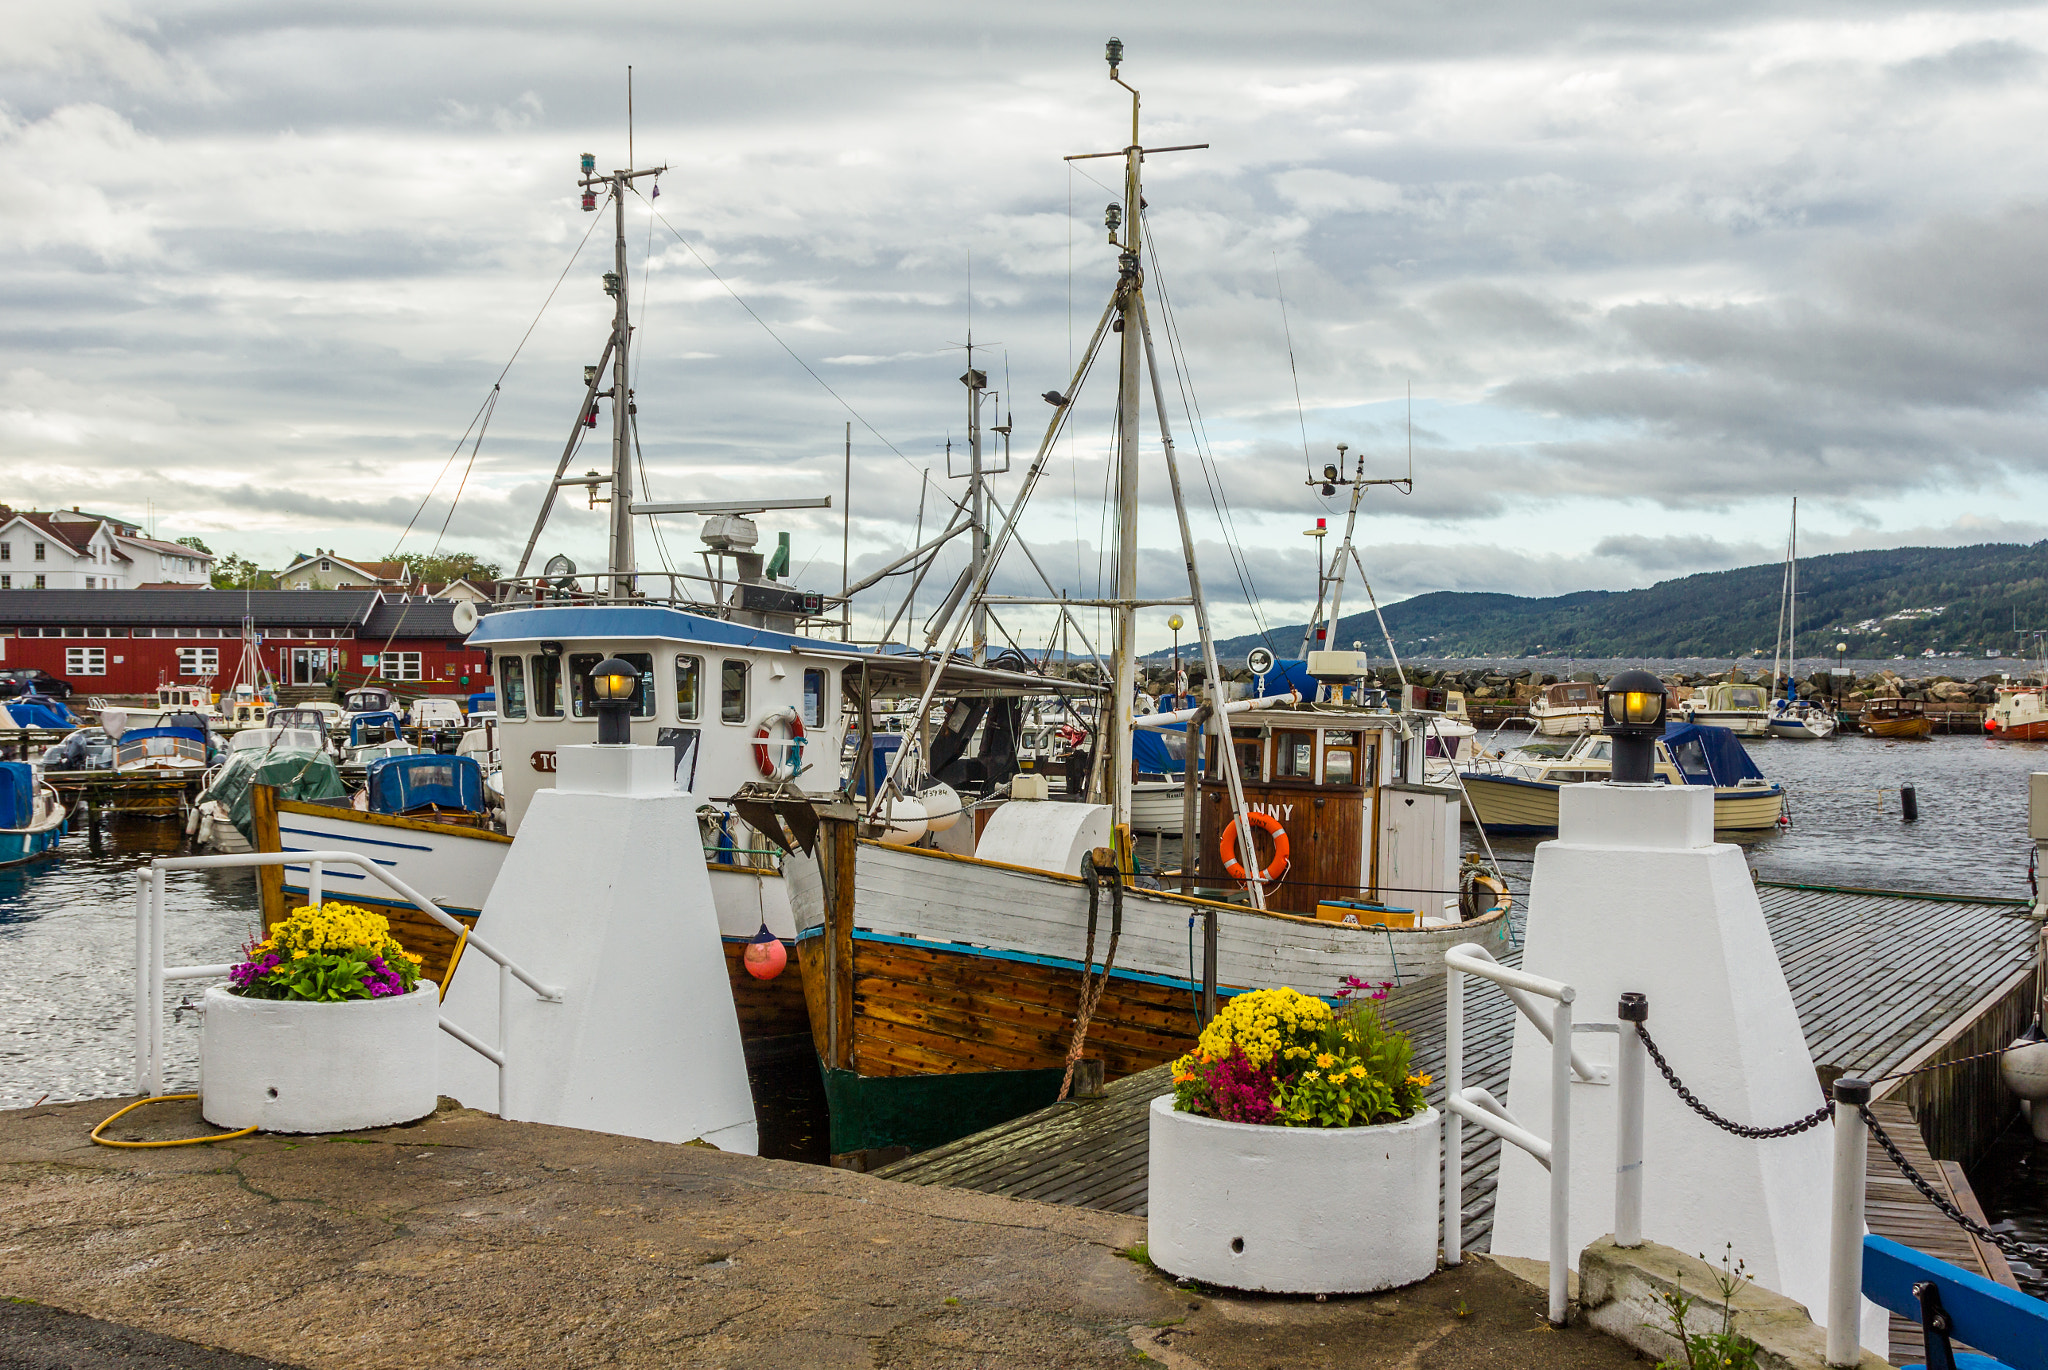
[{"x": 352, "y": 838}]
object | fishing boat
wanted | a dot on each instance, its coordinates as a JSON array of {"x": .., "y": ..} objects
[
  {"x": 1566, "y": 709},
  {"x": 1793, "y": 718},
  {"x": 2019, "y": 710},
  {"x": 1519, "y": 793},
  {"x": 1896, "y": 717},
  {"x": 1742, "y": 709},
  {"x": 32, "y": 817},
  {"x": 951, "y": 982}
]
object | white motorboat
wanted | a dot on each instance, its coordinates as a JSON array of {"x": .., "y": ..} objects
[{"x": 1566, "y": 709}]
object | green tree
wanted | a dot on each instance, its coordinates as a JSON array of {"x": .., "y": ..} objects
[
  {"x": 236, "y": 572},
  {"x": 196, "y": 545},
  {"x": 441, "y": 567}
]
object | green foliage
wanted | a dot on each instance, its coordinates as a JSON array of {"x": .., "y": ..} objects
[
  {"x": 196, "y": 545},
  {"x": 441, "y": 567},
  {"x": 1722, "y": 1349},
  {"x": 236, "y": 572},
  {"x": 1981, "y": 590},
  {"x": 1357, "y": 1076}
]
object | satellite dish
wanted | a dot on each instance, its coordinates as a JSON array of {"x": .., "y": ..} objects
[
  {"x": 559, "y": 565},
  {"x": 1260, "y": 660},
  {"x": 465, "y": 617}
]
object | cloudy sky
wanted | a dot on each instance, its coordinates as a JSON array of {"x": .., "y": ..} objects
[{"x": 1649, "y": 271}]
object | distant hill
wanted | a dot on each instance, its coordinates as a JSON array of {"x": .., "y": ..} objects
[{"x": 1885, "y": 603}]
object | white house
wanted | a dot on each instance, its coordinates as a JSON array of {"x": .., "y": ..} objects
[{"x": 70, "y": 549}]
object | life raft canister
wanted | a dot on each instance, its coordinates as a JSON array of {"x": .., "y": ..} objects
[
  {"x": 792, "y": 753},
  {"x": 1227, "y": 848}
]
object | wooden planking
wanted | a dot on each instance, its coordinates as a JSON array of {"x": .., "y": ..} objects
[
  {"x": 1324, "y": 827},
  {"x": 1876, "y": 979},
  {"x": 767, "y": 1008}
]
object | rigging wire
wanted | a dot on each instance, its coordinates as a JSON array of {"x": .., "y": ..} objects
[
  {"x": 490, "y": 408},
  {"x": 1287, "y": 329},
  {"x": 737, "y": 299},
  {"x": 632, "y": 408},
  {"x": 490, "y": 399}
]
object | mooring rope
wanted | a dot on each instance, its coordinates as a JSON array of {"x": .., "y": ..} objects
[{"x": 1093, "y": 985}]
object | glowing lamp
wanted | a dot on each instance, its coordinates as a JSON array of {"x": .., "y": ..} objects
[
  {"x": 590, "y": 199},
  {"x": 765, "y": 955},
  {"x": 1632, "y": 708},
  {"x": 614, "y": 684}
]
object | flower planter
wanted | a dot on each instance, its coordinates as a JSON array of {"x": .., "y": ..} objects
[
  {"x": 1293, "y": 1210},
  {"x": 292, "y": 1066}
]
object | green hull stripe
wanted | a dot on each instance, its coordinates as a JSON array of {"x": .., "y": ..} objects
[{"x": 920, "y": 1111}]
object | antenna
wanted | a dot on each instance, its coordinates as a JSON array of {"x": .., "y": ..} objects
[
  {"x": 629, "y": 114},
  {"x": 1411, "y": 434}
]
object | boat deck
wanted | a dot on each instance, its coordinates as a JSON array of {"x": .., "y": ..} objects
[{"x": 1878, "y": 979}]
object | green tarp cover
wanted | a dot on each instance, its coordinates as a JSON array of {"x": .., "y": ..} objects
[{"x": 298, "y": 773}]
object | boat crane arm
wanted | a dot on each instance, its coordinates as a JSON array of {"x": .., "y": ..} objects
[{"x": 1236, "y": 707}]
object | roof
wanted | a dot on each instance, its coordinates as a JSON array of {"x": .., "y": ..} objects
[
  {"x": 45, "y": 524},
  {"x": 176, "y": 549},
  {"x": 393, "y": 571},
  {"x": 407, "y": 616},
  {"x": 185, "y": 605}
]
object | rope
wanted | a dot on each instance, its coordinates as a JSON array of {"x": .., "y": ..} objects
[
  {"x": 2009, "y": 1244},
  {"x": 1092, "y": 984}
]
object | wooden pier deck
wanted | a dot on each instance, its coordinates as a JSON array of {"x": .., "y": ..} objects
[{"x": 1880, "y": 980}]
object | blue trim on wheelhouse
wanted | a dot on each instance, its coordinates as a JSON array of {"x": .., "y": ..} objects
[{"x": 584, "y": 622}]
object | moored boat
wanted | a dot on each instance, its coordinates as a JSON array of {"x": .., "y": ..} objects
[
  {"x": 1742, "y": 709},
  {"x": 1566, "y": 709},
  {"x": 32, "y": 817},
  {"x": 2019, "y": 714},
  {"x": 1894, "y": 717},
  {"x": 1519, "y": 795}
]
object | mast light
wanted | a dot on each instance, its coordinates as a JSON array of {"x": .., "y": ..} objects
[
  {"x": 1113, "y": 216},
  {"x": 590, "y": 199},
  {"x": 589, "y": 163},
  {"x": 611, "y": 284},
  {"x": 1113, "y": 53}
]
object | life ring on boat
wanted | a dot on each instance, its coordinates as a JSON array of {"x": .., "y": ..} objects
[
  {"x": 792, "y": 753},
  {"x": 1227, "y": 848}
]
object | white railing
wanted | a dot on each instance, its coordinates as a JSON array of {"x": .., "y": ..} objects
[
  {"x": 151, "y": 974},
  {"x": 1476, "y": 1105}
]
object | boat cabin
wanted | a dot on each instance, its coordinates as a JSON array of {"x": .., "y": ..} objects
[
  {"x": 1346, "y": 789},
  {"x": 370, "y": 699},
  {"x": 195, "y": 697},
  {"x": 162, "y": 749}
]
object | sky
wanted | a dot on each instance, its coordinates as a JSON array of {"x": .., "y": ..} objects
[{"x": 1629, "y": 278}]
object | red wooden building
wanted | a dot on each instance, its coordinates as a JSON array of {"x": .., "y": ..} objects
[{"x": 121, "y": 642}]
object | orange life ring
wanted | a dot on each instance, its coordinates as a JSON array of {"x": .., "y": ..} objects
[
  {"x": 792, "y": 754},
  {"x": 1227, "y": 848}
]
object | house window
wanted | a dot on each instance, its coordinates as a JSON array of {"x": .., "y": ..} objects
[
  {"x": 732, "y": 692},
  {"x": 89, "y": 584},
  {"x": 85, "y": 661},
  {"x": 42, "y": 582},
  {"x": 512, "y": 682},
  {"x": 326, "y": 566},
  {"x": 39, "y": 555},
  {"x": 399, "y": 665},
  {"x": 6, "y": 582},
  {"x": 814, "y": 699},
  {"x": 547, "y": 687},
  {"x": 6, "y": 551},
  {"x": 199, "y": 661},
  {"x": 689, "y": 685}
]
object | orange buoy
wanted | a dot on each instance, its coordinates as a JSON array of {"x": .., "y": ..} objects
[{"x": 765, "y": 955}]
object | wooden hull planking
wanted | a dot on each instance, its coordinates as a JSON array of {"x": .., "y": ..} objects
[{"x": 1917, "y": 726}]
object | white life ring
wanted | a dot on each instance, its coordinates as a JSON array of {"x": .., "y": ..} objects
[{"x": 792, "y": 751}]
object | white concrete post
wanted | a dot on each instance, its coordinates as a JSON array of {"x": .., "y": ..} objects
[
  {"x": 1560, "y": 1154},
  {"x": 1845, "y": 1224},
  {"x": 1454, "y": 1126},
  {"x": 155, "y": 997},
  {"x": 1628, "y": 1132},
  {"x": 141, "y": 981},
  {"x": 315, "y": 894}
]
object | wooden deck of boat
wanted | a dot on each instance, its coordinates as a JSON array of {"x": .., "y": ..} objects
[{"x": 1877, "y": 977}]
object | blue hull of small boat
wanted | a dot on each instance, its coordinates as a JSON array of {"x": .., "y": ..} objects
[{"x": 19, "y": 845}]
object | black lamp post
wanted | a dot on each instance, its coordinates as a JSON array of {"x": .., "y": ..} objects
[
  {"x": 613, "y": 687},
  {"x": 1632, "y": 705}
]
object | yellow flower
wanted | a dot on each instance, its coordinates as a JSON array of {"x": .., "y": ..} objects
[
  {"x": 1325, "y": 1059},
  {"x": 300, "y": 955}
]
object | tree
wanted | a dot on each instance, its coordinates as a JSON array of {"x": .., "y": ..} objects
[
  {"x": 442, "y": 567},
  {"x": 236, "y": 572},
  {"x": 196, "y": 545}
]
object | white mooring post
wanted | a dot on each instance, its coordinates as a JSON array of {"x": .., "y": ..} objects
[
  {"x": 1845, "y": 1223},
  {"x": 1628, "y": 1131}
]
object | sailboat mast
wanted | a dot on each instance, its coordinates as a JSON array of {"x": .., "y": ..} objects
[
  {"x": 622, "y": 407},
  {"x": 1792, "y": 602},
  {"x": 977, "y": 496}
]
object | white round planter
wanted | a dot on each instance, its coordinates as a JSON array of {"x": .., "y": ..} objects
[
  {"x": 287, "y": 1066},
  {"x": 1293, "y": 1210}
]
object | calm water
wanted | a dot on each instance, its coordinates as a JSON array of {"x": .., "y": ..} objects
[{"x": 67, "y": 925}]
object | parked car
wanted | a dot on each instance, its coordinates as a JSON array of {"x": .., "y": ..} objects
[{"x": 21, "y": 680}]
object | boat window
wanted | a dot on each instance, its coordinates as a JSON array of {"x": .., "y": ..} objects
[
  {"x": 547, "y": 687},
  {"x": 1601, "y": 750},
  {"x": 1746, "y": 699},
  {"x": 1340, "y": 764},
  {"x": 1294, "y": 756},
  {"x": 732, "y": 691},
  {"x": 580, "y": 667},
  {"x": 1248, "y": 750},
  {"x": 1579, "y": 694},
  {"x": 643, "y": 663},
  {"x": 512, "y": 682},
  {"x": 689, "y": 680},
  {"x": 814, "y": 699}
]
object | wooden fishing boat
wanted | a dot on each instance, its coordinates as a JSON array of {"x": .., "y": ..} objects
[{"x": 1896, "y": 718}]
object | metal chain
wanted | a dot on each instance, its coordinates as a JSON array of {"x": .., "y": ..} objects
[
  {"x": 1792, "y": 1129},
  {"x": 2010, "y": 1245}
]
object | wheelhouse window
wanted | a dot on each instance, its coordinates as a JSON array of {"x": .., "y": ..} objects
[
  {"x": 1340, "y": 758},
  {"x": 689, "y": 687},
  {"x": 583, "y": 705},
  {"x": 1248, "y": 751},
  {"x": 547, "y": 687},
  {"x": 814, "y": 699},
  {"x": 511, "y": 687},
  {"x": 732, "y": 691},
  {"x": 1294, "y": 756}
]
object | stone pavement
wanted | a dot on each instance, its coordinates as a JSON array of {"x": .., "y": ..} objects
[{"x": 467, "y": 1241}]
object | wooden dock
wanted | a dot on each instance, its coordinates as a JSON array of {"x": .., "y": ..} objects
[{"x": 1880, "y": 980}]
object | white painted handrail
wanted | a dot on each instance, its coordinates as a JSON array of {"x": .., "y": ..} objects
[
  {"x": 1478, "y": 1107},
  {"x": 151, "y": 973}
]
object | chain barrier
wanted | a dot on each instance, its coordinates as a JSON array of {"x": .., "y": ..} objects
[
  {"x": 2010, "y": 1245},
  {"x": 1792, "y": 1129}
]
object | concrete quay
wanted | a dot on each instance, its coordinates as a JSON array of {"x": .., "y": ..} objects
[{"x": 463, "y": 1240}]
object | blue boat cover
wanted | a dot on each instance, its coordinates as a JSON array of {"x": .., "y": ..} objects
[
  {"x": 1160, "y": 751},
  {"x": 34, "y": 711},
  {"x": 197, "y": 735},
  {"x": 357, "y": 724},
  {"x": 487, "y": 701},
  {"x": 1708, "y": 755},
  {"x": 17, "y": 794},
  {"x": 400, "y": 784},
  {"x": 1285, "y": 676}
]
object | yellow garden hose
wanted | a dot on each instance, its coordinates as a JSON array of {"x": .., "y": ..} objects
[{"x": 179, "y": 1141}]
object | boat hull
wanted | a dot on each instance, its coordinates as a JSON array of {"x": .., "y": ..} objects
[
  {"x": 1504, "y": 804},
  {"x": 1158, "y": 809},
  {"x": 1899, "y": 727},
  {"x": 943, "y": 990},
  {"x": 19, "y": 846},
  {"x": 1741, "y": 722},
  {"x": 2036, "y": 731},
  {"x": 1563, "y": 722}
]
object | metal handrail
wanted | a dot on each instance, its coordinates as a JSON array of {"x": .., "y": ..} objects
[
  {"x": 1478, "y": 1107},
  {"x": 151, "y": 973}
]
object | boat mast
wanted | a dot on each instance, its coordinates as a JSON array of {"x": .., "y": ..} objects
[
  {"x": 977, "y": 495},
  {"x": 1792, "y": 603},
  {"x": 1114, "y": 744},
  {"x": 1332, "y": 579}
]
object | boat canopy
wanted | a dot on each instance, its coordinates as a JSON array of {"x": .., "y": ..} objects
[
  {"x": 307, "y": 719},
  {"x": 1284, "y": 677},
  {"x": 37, "y": 711},
  {"x": 302, "y": 773},
  {"x": 143, "y": 734},
  {"x": 17, "y": 794},
  {"x": 362, "y": 723},
  {"x": 369, "y": 699},
  {"x": 402, "y": 784},
  {"x": 1707, "y": 755},
  {"x": 486, "y": 702},
  {"x": 1162, "y": 750}
]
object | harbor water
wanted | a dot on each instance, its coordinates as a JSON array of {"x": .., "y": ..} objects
[{"x": 67, "y": 924}]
